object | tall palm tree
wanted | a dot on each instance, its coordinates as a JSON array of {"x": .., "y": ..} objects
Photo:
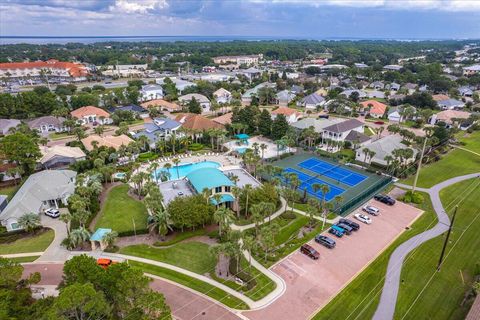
[
  {"x": 78, "y": 236},
  {"x": 160, "y": 221},
  {"x": 224, "y": 217},
  {"x": 257, "y": 215},
  {"x": 153, "y": 170},
  {"x": 247, "y": 189},
  {"x": 263, "y": 147},
  {"x": 268, "y": 209},
  {"x": 67, "y": 218},
  {"x": 176, "y": 162},
  {"x": 249, "y": 244},
  {"x": 325, "y": 190},
  {"x": 338, "y": 200},
  {"x": 110, "y": 238},
  {"x": 29, "y": 221},
  {"x": 236, "y": 191}
]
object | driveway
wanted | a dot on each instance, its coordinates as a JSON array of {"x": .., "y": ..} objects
[
  {"x": 312, "y": 284},
  {"x": 55, "y": 251},
  {"x": 184, "y": 303}
]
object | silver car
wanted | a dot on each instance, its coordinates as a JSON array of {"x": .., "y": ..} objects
[{"x": 374, "y": 211}]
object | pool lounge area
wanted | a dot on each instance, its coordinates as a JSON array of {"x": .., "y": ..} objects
[{"x": 184, "y": 169}]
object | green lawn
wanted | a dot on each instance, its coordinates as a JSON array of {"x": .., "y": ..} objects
[
  {"x": 24, "y": 259},
  {"x": 472, "y": 141},
  {"x": 442, "y": 297},
  {"x": 59, "y": 136},
  {"x": 120, "y": 210},
  {"x": 192, "y": 283},
  {"x": 180, "y": 236},
  {"x": 360, "y": 297},
  {"x": 36, "y": 243},
  {"x": 9, "y": 191},
  {"x": 291, "y": 229},
  {"x": 456, "y": 163},
  {"x": 368, "y": 131},
  {"x": 193, "y": 256}
]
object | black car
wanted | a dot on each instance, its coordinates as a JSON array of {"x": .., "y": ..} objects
[
  {"x": 325, "y": 241},
  {"x": 352, "y": 224},
  {"x": 385, "y": 199},
  {"x": 347, "y": 228}
]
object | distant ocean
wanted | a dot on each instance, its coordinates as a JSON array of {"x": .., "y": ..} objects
[{"x": 93, "y": 39}]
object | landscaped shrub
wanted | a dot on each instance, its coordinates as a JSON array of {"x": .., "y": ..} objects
[
  {"x": 147, "y": 156},
  {"x": 246, "y": 277},
  {"x": 411, "y": 197},
  {"x": 289, "y": 215},
  {"x": 196, "y": 147}
]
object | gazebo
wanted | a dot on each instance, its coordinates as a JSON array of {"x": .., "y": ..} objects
[
  {"x": 243, "y": 137},
  {"x": 97, "y": 237}
]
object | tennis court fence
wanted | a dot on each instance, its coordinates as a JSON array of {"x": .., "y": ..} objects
[{"x": 356, "y": 201}]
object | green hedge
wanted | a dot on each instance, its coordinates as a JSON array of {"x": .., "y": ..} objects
[
  {"x": 196, "y": 147},
  {"x": 246, "y": 277},
  {"x": 147, "y": 156}
]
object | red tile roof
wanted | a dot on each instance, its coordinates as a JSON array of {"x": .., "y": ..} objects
[
  {"x": 75, "y": 69},
  {"x": 89, "y": 110},
  {"x": 286, "y": 111},
  {"x": 197, "y": 122},
  {"x": 377, "y": 107}
]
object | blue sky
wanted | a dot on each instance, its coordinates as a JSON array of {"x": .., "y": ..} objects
[{"x": 280, "y": 18}]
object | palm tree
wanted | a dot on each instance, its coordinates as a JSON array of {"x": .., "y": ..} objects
[
  {"x": 365, "y": 152},
  {"x": 29, "y": 222},
  {"x": 247, "y": 189},
  {"x": 249, "y": 244},
  {"x": 388, "y": 159},
  {"x": 325, "y": 190},
  {"x": 110, "y": 238},
  {"x": 268, "y": 209},
  {"x": 78, "y": 236},
  {"x": 263, "y": 147},
  {"x": 338, "y": 200},
  {"x": 176, "y": 162},
  {"x": 67, "y": 218},
  {"x": 236, "y": 191},
  {"x": 224, "y": 217},
  {"x": 99, "y": 130},
  {"x": 257, "y": 215},
  {"x": 153, "y": 169},
  {"x": 160, "y": 222}
]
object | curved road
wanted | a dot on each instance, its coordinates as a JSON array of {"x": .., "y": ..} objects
[{"x": 388, "y": 299}]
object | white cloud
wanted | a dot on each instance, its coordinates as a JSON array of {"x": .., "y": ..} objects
[{"x": 138, "y": 6}]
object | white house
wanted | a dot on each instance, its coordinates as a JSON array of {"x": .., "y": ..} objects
[
  {"x": 340, "y": 130},
  {"x": 222, "y": 95},
  {"x": 292, "y": 115},
  {"x": 42, "y": 190},
  {"x": 91, "y": 114},
  {"x": 312, "y": 101},
  {"x": 284, "y": 97},
  {"x": 151, "y": 92},
  {"x": 382, "y": 147},
  {"x": 204, "y": 102}
]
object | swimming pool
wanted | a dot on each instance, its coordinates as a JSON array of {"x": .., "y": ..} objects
[{"x": 185, "y": 168}]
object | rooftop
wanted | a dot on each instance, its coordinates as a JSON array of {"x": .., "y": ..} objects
[
  {"x": 89, "y": 110},
  {"x": 344, "y": 126},
  {"x": 208, "y": 178},
  {"x": 99, "y": 234}
]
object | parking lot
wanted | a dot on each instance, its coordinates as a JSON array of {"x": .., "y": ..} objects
[{"x": 311, "y": 284}]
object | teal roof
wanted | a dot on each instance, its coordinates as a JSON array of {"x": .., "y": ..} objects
[
  {"x": 99, "y": 234},
  {"x": 242, "y": 136},
  {"x": 224, "y": 198},
  {"x": 208, "y": 178}
]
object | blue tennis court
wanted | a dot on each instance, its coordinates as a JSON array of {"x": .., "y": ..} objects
[
  {"x": 307, "y": 181},
  {"x": 332, "y": 171}
]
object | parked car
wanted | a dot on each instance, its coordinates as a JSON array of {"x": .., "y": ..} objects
[
  {"x": 385, "y": 199},
  {"x": 336, "y": 231},
  {"x": 53, "y": 213},
  {"x": 347, "y": 229},
  {"x": 355, "y": 226},
  {"x": 310, "y": 251},
  {"x": 105, "y": 263},
  {"x": 363, "y": 218},
  {"x": 379, "y": 122},
  {"x": 325, "y": 241},
  {"x": 371, "y": 210}
]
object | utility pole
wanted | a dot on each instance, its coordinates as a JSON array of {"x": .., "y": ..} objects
[
  {"x": 419, "y": 166},
  {"x": 446, "y": 239}
]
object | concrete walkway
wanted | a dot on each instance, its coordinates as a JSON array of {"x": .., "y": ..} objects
[
  {"x": 21, "y": 255},
  {"x": 386, "y": 307},
  {"x": 252, "y": 225},
  {"x": 465, "y": 149}
]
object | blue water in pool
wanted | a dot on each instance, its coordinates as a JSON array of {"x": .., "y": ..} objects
[{"x": 184, "y": 169}]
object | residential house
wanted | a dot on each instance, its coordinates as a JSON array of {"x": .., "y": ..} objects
[
  {"x": 47, "y": 124},
  {"x": 312, "y": 101},
  {"x": 284, "y": 97},
  {"x": 340, "y": 130},
  {"x": 374, "y": 108},
  {"x": 471, "y": 70},
  {"x": 347, "y": 93},
  {"x": 317, "y": 124},
  {"x": 151, "y": 92},
  {"x": 396, "y": 114},
  {"x": 8, "y": 173},
  {"x": 159, "y": 129},
  {"x": 180, "y": 84},
  {"x": 377, "y": 85},
  {"x": 393, "y": 67},
  {"x": 41, "y": 191},
  {"x": 451, "y": 104},
  {"x": 216, "y": 182},
  {"x": 394, "y": 86},
  {"x": 250, "y": 93},
  {"x": 250, "y": 73},
  {"x": 360, "y": 65},
  {"x": 7, "y": 124},
  {"x": 204, "y": 102},
  {"x": 296, "y": 89},
  {"x": 224, "y": 119},
  {"x": 411, "y": 87},
  {"x": 440, "y": 97},
  {"x": 383, "y": 147},
  {"x": 466, "y": 91},
  {"x": 223, "y": 95},
  {"x": 59, "y": 156},
  {"x": 197, "y": 122},
  {"x": 162, "y": 105},
  {"x": 114, "y": 142},
  {"x": 91, "y": 115},
  {"x": 450, "y": 117},
  {"x": 137, "y": 111},
  {"x": 292, "y": 115},
  {"x": 357, "y": 139}
]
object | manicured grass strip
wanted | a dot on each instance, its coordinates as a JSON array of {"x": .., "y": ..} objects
[
  {"x": 443, "y": 297},
  {"x": 363, "y": 293},
  {"x": 471, "y": 140},
  {"x": 192, "y": 256},
  {"x": 181, "y": 236},
  {"x": 34, "y": 243},
  {"x": 9, "y": 191},
  {"x": 121, "y": 211},
  {"x": 456, "y": 163},
  {"x": 24, "y": 259},
  {"x": 192, "y": 283},
  {"x": 291, "y": 229}
]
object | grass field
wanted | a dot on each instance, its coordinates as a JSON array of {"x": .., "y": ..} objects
[
  {"x": 360, "y": 297},
  {"x": 456, "y": 163},
  {"x": 120, "y": 210},
  {"x": 192, "y": 283},
  {"x": 192, "y": 256},
  {"x": 180, "y": 236},
  {"x": 9, "y": 191},
  {"x": 444, "y": 291},
  {"x": 24, "y": 259},
  {"x": 29, "y": 244}
]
